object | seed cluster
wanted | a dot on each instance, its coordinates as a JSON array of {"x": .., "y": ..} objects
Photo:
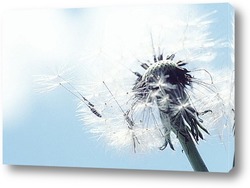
[{"x": 165, "y": 83}]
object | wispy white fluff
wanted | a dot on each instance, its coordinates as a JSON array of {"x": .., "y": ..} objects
[{"x": 128, "y": 38}]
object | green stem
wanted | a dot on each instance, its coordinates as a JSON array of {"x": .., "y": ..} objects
[{"x": 192, "y": 153}]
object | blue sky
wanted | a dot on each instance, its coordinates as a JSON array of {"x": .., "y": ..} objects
[{"x": 42, "y": 129}]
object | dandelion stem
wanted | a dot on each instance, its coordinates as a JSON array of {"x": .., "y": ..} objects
[
  {"x": 192, "y": 153},
  {"x": 188, "y": 147}
]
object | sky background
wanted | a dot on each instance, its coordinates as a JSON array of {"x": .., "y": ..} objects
[{"x": 42, "y": 129}]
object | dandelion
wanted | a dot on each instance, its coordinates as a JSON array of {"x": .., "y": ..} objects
[{"x": 152, "y": 99}]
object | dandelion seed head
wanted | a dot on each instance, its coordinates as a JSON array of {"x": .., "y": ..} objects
[{"x": 146, "y": 81}]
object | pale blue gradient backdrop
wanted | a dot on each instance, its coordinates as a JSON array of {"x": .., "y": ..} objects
[{"x": 42, "y": 129}]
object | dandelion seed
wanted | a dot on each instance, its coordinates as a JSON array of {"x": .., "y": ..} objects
[{"x": 48, "y": 83}]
